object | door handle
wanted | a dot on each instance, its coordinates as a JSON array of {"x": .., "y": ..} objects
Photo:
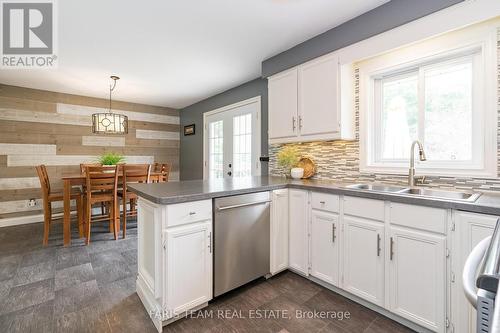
[
  {"x": 378, "y": 245},
  {"x": 334, "y": 228},
  {"x": 293, "y": 123},
  {"x": 392, "y": 248},
  {"x": 300, "y": 122}
]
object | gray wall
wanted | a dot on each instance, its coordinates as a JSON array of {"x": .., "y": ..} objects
[
  {"x": 388, "y": 16},
  {"x": 191, "y": 161}
]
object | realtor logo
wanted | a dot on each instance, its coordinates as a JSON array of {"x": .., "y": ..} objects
[{"x": 28, "y": 34}]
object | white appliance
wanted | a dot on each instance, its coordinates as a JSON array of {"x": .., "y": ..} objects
[{"x": 480, "y": 278}]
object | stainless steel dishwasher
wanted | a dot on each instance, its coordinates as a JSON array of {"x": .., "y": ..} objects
[{"x": 241, "y": 240}]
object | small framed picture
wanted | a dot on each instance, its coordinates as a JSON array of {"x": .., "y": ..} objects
[{"x": 189, "y": 129}]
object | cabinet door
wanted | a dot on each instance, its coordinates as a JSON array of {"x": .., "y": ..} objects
[
  {"x": 470, "y": 229},
  {"x": 364, "y": 258},
  {"x": 188, "y": 267},
  {"x": 324, "y": 246},
  {"x": 279, "y": 231},
  {"x": 298, "y": 233},
  {"x": 417, "y": 277},
  {"x": 318, "y": 97},
  {"x": 283, "y": 120}
]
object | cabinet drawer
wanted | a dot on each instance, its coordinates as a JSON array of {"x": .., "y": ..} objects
[
  {"x": 324, "y": 201},
  {"x": 418, "y": 217},
  {"x": 362, "y": 207},
  {"x": 189, "y": 212}
]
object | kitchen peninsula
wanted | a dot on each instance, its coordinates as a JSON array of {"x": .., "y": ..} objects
[{"x": 313, "y": 232}]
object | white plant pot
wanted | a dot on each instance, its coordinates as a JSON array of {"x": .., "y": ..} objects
[{"x": 297, "y": 173}]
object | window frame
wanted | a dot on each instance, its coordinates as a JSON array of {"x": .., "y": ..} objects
[{"x": 401, "y": 63}]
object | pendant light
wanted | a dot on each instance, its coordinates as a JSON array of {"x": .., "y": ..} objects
[{"x": 109, "y": 122}]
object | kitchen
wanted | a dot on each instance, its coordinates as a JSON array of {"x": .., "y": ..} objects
[{"x": 345, "y": 181}]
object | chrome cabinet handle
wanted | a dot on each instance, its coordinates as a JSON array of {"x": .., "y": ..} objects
[
  {"x": 333, "y": 232},
  {"x": 210, "y": 242},
  {"x": 293, "y": 123},
  {"x": 392, "y": 248},
  {"x": 192, "y": 213},
  {"x": 322, "y": 202},
  {"x": 378, "y": 245},
  {"x": 300, "y": 122}
]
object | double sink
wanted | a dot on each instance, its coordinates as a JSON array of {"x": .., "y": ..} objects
[{"x": 420, "y": 192}]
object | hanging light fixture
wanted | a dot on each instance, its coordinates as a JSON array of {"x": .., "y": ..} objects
[{"x": 109, "y": 122}]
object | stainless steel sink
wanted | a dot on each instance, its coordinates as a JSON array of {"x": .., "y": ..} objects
[
  {"x": 376, "y": 187},
  {"x": 422, "y": 192},
  {"x": 451, "y": 195}
]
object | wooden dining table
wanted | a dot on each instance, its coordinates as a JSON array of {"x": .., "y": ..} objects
[{"x": 71, "y": 180}]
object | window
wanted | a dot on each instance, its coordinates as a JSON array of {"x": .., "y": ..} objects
[
  {"x": 440, "y": 102},
  {"x": 242, "y": 145},
  {"x": 216, "y": 149}
]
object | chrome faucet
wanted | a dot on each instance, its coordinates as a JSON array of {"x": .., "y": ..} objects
[{"x": 421, "y": 154}]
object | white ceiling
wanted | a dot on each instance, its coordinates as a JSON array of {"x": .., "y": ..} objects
[{"x": 176, "y": 52}]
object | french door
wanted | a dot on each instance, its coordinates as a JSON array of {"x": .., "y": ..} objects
[{"x": 232, "y": 140}]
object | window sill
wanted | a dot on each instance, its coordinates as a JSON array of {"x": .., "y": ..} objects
[{"x": 439, "y": 172}]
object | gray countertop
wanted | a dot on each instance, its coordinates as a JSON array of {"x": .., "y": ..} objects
[{"x": 192, "y": 190}]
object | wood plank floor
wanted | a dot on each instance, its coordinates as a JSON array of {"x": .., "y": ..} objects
[{"x": 92, "y": 289}]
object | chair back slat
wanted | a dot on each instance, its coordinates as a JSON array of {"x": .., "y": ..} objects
[
  {"x": 43, "y": 176},
  {"x": 135, "y": 173},
  {"x": 164, "y": 169},
  {"x": 83, "y": 166},
  {"x": 101, "y": 178}
]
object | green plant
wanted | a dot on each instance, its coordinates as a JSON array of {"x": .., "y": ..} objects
[
  {"x": 288, "y": 157},
  {"x": 110, "y": 159}
]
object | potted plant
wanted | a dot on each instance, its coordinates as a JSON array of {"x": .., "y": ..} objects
[
  {"x": 288, "y": 157},
  {"x": 110, "y": 159}
]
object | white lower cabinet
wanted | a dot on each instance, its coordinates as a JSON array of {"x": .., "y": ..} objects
[
  {"x": 470, "y": 229},
  {"x": 188, "y": 267},
  {"x": 298, "y": 253},
  {"x": 324, "y": 245},
  {"x": 417, "y": 277},
  {"x": 363, "y": 258},
  {"x": 279, "y": 231}
]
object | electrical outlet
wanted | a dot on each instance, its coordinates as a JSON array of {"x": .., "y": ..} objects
[{"x": 32, "y": 203}]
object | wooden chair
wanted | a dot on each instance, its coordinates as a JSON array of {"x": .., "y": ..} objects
[
  {"x": 101, "y": 187},
  {"x": 83, "y": 167},
  {"x": 49, "y": 197},
  {"x": 132, "y": 173},
  {"x": 164, "y": 168}
]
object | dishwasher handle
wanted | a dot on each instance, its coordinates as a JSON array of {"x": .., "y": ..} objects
[{"x": 219, "y": 209}]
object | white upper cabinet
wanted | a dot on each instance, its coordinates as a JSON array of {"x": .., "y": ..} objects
[
  {"x": 305, "y": 102},
  {"x": 283, "y": 103},
  {"x": 318, "y": 97}
]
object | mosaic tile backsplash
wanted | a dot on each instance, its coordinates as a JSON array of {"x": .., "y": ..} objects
[{"x": 339, "y": 160}]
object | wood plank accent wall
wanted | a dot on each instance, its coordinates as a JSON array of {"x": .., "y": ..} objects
[{"x": 42, "y": 127}]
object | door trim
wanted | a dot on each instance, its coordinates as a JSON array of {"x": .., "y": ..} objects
[{"x": 256, "y": 99}]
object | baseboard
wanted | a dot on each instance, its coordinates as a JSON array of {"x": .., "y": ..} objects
[{"x": 28, "y": 219}]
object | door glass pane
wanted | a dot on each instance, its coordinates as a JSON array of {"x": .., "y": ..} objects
[
  {"x": 216, "y": 149},
  {"x": 399, "y": 116},
  {"x": 448, "y": 112},
  {"x": 242, "y": 145}
]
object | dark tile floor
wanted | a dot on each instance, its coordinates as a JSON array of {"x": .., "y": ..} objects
[{"x": 92, "y": 289}]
